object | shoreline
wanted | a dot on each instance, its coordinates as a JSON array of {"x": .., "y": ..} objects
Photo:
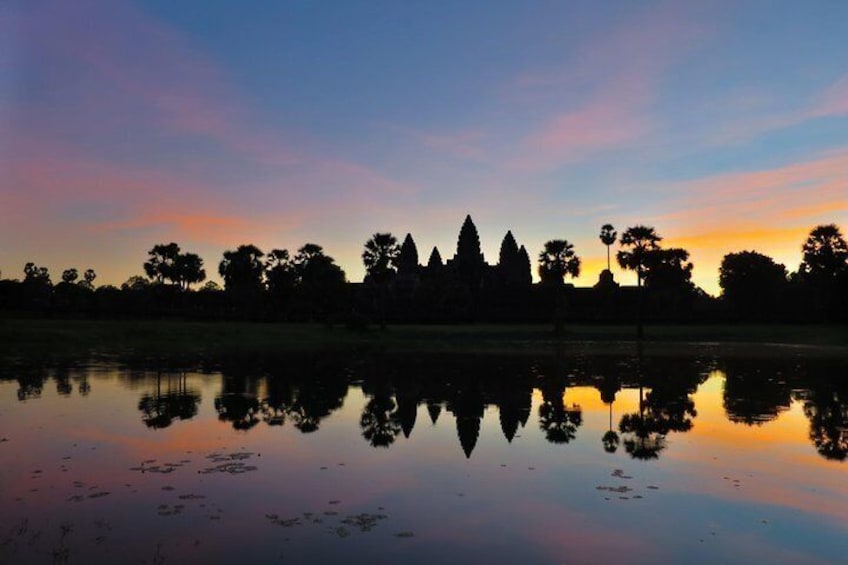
[{"x": 55, "y": 336}]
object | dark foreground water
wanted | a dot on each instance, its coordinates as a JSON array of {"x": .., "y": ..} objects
[{"x": 425, "y": 459}]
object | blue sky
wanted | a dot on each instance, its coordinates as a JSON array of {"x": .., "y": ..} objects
[{"x": 124, "y": 124}]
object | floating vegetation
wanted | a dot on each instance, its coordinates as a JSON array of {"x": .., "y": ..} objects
[
  {"x": 284, "y": 522},
  {"x": 100, "y": 494},
  {"x": 365, "y": 522},
  {"x": 620, "y": 489},
  {"x": 237, "y": 456},
  {"x": 191, "y": 496},
  {"x": 620, "y": 474},
  {"x": 229, "y": 463},
  {"x": 166, "y": 510},
  {"x": 404, "y": 535}
]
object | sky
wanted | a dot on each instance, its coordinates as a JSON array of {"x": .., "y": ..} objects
[{"x": 213, "y": 123}]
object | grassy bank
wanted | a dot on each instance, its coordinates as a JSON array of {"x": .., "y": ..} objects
[{"x": 170, "y": 336}]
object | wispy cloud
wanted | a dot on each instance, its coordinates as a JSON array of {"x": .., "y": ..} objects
[
  {"x": 608, "y": 89},
  {"x": 768, "y": 210},
  {"x": 832, "y": 102}
]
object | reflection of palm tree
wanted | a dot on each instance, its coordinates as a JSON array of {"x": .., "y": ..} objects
[
  {"x": 177, "y": 401},
  {"x": 610, "y": 440},
  {"x": 237, "y": 402},
  {"x": 608, "y": 387},
  {"x": 318, "y": 395},
  {"x": 378, "y": 427},
  {"x": 559, "y": 422},
  {"x": 643, "y": 439}
]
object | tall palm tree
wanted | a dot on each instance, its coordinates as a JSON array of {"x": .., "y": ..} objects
[
  {"x": 638, "y": 243},
  {"x": 557, "y": 260},
  {"x": 380, "y": 259},
  {"x": 608, "y": 237},
  {"x": 380, "y": 256}
]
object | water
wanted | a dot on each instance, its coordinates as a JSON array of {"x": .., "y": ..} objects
[{"x": 700, "y": 457}]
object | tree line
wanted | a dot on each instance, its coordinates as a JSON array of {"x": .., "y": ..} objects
[{"x": 308, "y": 285}]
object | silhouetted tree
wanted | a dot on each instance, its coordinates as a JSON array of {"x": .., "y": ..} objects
[
  {"x": 188, "y": 270},
  {"x": 161, "y": 263},
  {"x": 556, "y": 261},
  {"x": 380, "y": 258},
  {"x": 668, "y": 269},
  {"x": 825, "y": 253},
  {"x": 751, "y": 283},
  {"x": 320, "y": 280},
  {"x": 70, "y": 275},
  {"x": 608, "y": 237},
  {"x": 638, "y": 242},
  {"x": 242, "y": 269},
  {"x": 280, "y": 275},
  {"x": 135, "y": 283},
  {"x": 88, "y": 279},
  {"x": 35, "y": 274},
  {"x": 823, "y": 274}
]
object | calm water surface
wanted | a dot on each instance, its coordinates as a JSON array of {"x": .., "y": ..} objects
[{"x": 425, "y": 459}]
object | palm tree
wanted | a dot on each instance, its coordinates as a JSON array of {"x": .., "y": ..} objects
[
  {"x": 380, "y": 259},
  {"x": 639, "y": 242},
  {"x": 380, "y": 255},
  {"x": 557, "y": 260},
  {"x": 608, "y": 237}
]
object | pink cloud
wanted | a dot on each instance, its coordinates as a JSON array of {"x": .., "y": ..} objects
[
  {"x": 830, "y": 103},
  {"x": 135, "y": 71},
  {"x": 618, "y": 77},
  {"x": 769, "y": 211}
]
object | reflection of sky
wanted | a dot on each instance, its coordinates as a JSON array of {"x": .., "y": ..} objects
[
  {"x": 526, "y": 500},
  {"x": 126, "y": 123}
]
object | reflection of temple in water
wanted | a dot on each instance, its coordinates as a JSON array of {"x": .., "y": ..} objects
[{"x": 304, "y": 390}]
